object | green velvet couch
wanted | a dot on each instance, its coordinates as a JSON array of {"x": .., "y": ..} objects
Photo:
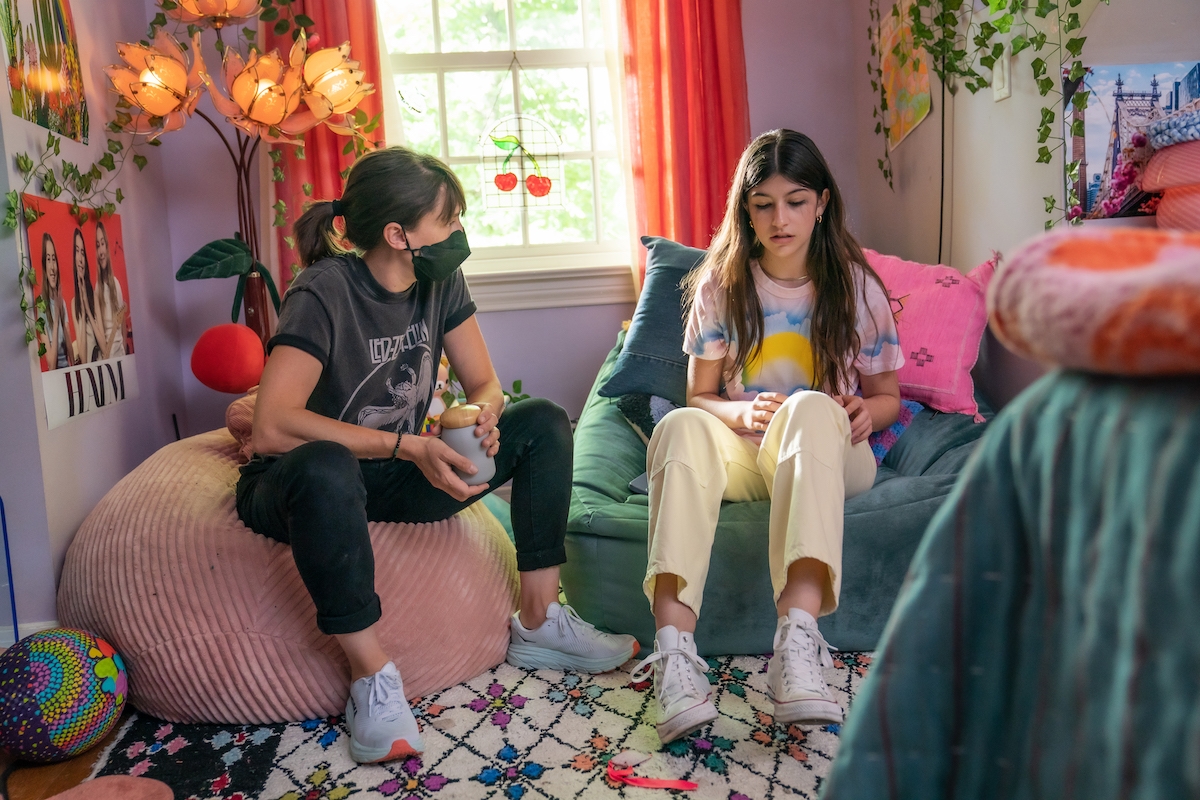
[{"x": 607, "y": 528}]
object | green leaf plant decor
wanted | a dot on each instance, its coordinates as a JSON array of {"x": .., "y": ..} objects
[
  {"x": 959, "y": 43},
  {"x": 228, "y": 258}
]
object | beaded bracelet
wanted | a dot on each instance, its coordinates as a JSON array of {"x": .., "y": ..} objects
[{"x": 396, "y": 449}]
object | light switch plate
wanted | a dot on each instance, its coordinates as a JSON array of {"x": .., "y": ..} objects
[{"x": 1002, "y": 76}]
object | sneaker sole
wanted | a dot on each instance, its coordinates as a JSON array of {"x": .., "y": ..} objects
[
  {"x": 400, "y": 748},
  {"x": 811, "y": 712},
  {"x": 529, "y": 656},
  {"x": 687, "y": 721}
]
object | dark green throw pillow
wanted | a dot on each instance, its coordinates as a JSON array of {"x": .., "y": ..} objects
[{"x": 652, "y": 361}]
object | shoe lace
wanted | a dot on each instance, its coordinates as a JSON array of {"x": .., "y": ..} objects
[
  {"x": 386, "y": 700},
  {"x": 808, "y": 649},
  {"x": 569, "y": 621},
  {"x": 675, "y": 668}
]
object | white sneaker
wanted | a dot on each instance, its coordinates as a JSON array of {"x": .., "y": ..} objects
[
  {"x": 680, "y": 687},
  {"x": 565, "y": 641},
  {"x": 794, "y": 680},
  {"x": 381, "y": 724}
]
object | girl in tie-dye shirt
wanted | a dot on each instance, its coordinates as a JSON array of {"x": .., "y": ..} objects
[{"x": 793, "y": 358}]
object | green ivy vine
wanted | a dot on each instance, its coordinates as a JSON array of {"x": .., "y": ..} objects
[
  {"x": 956, "y": 45},
  {"x": 53, "y": 177}
]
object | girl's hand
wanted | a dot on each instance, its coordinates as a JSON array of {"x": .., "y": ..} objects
[
  {"x": 861, "y": 423},
  {"x": 761, "y": 410},
  {"x": 485, "y": 426},
  {"x": 437, "y": 461}
]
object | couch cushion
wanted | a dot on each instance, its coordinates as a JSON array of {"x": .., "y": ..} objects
[{"x": 652, "y": 361}]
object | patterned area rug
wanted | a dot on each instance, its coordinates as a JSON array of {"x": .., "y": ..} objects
[{"x": 509, "y": 733}]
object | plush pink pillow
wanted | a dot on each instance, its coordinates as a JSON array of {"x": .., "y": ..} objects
[
  {"x": 1172, "y": 167},
  {"x": 940, "y": 316},
  {"x": 1179, "y": 209}
]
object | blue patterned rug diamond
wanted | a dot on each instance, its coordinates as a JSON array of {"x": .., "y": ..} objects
[{"x": 509, "y": 734}]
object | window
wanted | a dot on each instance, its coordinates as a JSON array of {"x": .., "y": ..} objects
[{"x": 463, "y": 65}]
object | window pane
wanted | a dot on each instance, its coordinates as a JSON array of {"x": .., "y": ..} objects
[
  {"x": 486, "y": 227},
  {"x": 575, "y": 220},
  {"x": 473, "y": 25},
  {"x": 614, "y": 213},
  {"x": 407, "y": 25},
  {"x": 419, "y": 111},
  {"x": 602, "y": 107},
  {"x": 548, "y": 24},
  {"x": 475, "y": 100},
  {"x": 560, "y": 98},
  {"x": 595, "y": 34}
]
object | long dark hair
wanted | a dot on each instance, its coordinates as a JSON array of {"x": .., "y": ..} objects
[
  {"x": 384, "y": 186},
  {"x": 833, "y": 255},
  {"x": 47, "y": 245},
  {"x": 87, "y": 275},
  {"x": 105, "y": 273}
]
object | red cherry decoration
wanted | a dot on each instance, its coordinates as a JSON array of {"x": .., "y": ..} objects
[
  {"x": 506, "y": 181},
  {"x": 538, "y": 185}
]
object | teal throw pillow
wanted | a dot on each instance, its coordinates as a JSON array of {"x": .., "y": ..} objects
[{"x": 652, "y": 361}]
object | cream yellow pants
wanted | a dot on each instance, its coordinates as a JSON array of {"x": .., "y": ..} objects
[{"x": 806, "y": 466}]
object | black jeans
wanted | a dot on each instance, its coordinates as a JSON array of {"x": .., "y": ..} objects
[{"x": 319, "y": 497}]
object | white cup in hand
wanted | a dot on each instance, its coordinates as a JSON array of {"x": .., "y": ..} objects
[{"x": 458, "y": 431}]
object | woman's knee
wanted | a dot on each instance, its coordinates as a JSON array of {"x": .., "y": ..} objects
[
  {"x": 324, "y": 469},
  {"x": 683, "y": 428}
]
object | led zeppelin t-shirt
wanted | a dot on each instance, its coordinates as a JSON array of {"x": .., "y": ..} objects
[{"x": 379, "y": 349}]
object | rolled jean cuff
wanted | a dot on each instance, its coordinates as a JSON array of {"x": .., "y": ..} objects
[
  {"x": 540, "y": 559},
  {"x": 360, "y": 620}
]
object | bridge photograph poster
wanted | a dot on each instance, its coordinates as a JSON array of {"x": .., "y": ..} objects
[
  {"x": 1123, "y": 100},
  {"x": 82, "y": 302}
]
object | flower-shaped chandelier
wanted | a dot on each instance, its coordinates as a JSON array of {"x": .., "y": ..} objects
[
  {"x": 262, "y": 95},
  {"x": 213, "y": 13},
  {"x": 158, "y": 82}
]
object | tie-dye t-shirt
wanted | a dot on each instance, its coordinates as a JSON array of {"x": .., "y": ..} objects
[{"x": 785, "y": 362}]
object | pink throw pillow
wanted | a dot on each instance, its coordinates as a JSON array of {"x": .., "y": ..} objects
[
  {"x": 1179, "y": 209},
  {"x": 940, "y": 316},
  {"x": 1172, "y": 167}
]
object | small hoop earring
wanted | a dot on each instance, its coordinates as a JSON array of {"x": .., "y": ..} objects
[{"x": 818, "y": 218}]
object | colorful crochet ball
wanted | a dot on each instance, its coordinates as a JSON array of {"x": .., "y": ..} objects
[{"x": 61, "y": 691}]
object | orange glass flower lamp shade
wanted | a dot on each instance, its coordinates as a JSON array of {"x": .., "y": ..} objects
[
  {"x": 334, "y": 83},
  {"x": 158, "y": 81},
  {"x": 214, "y": 13}
]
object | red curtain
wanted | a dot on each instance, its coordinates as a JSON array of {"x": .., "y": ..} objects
[
  {"x": 686, "y": 110},
  {"x": 323, "y": 162}
]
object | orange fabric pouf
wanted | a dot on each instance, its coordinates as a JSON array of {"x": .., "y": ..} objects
[{"x": 215, "y": 624}]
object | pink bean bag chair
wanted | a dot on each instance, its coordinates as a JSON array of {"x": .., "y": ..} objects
[{"x": 215, "y": 624}]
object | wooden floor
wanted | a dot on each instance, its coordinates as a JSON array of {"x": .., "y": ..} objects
[{"x": 42, "y": 781}]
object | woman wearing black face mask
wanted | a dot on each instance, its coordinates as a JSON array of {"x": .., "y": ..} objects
[{"x": 341, "y": 402}]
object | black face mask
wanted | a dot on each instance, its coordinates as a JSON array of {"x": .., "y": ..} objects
[{"x": 436, "y": 262}]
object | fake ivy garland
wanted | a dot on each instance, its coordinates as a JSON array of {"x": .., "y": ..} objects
[
  {"x": 54, "y": 176},
  {"x": 956, "y": 45}
]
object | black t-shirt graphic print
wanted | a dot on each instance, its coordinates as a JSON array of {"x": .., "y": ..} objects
[{"x": 379, "y": 349}]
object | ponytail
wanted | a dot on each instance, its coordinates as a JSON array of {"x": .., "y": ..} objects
[
  {"x": 394, "y": 184},
  {"x": 316, "y": 238}
]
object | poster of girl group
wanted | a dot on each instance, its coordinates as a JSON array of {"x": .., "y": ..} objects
[{"x": 84, "y": 293}]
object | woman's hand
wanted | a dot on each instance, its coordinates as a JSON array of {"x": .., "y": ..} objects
[
  {"x": 759, "y": 411},
  {"x": 437, "y": 461},
  {"x": 485, "y": 428},
  {"x": 861, "y": 423}
]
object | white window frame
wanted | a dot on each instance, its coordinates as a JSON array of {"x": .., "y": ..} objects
[{"x": 525, "y": 276}]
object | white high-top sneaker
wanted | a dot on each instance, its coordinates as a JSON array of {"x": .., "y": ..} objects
[
  {"x": 679, "y": 684},
  {"x": 794, "y": 680}
]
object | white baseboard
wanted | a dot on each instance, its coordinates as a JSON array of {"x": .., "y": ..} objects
[{"x": 6, "y": 631}]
